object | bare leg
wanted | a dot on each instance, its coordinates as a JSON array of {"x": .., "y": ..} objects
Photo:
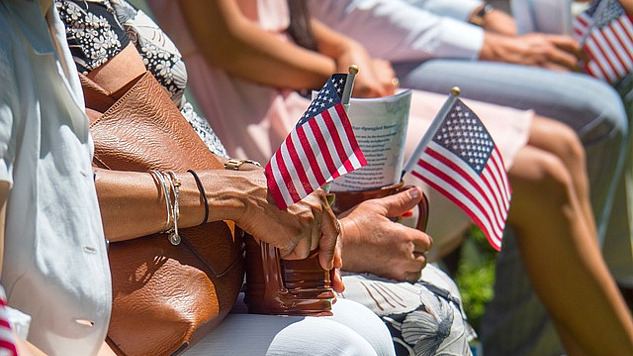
[
  {"x": 560, "y": 140},
  {"x": 562, "y": 258}
]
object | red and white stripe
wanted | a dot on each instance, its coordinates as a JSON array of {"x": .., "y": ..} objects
[
  {"x": 7, "y": 345},
  {"x": 484, "y": 197},
  {"x": 320, "y": 150},
  {"x": 610, "y": 47}
]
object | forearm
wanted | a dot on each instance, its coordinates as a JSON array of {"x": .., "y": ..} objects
[
  {"x": 230, "y": 41},
  {"x": 133, "y": 203}
]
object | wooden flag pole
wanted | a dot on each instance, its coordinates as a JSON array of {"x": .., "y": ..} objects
[
  {"x": 349, "y": 85},
  {"x": 448, "y": 104}
]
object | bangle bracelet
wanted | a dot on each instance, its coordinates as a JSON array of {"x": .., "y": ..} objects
[
  {"x": 478, "y": 17},
  {"x": 174, "y": 184},
  {"x": 163, "y": 187},
  {"x": 203, "y": 194},
  {"x": 235, "y": 164}
]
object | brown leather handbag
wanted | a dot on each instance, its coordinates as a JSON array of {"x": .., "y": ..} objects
[
  {"x": 285, "y": 287},
  {"x": 164, "y": 296}
]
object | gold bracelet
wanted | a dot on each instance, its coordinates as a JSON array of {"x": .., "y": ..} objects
[
  {"x": 174, "y": 184},
  {"x": 235, "y": 164}
]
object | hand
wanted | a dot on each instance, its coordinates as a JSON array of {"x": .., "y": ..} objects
[
  {"x": 385, "y": 75},
  {"x": 303, "y": 227},
  {"x": 558, "y": 52},
  {"x": 373, "y": 243},
  {"x": 374, "y": 78},
  {"x": 500, "y": 22}
]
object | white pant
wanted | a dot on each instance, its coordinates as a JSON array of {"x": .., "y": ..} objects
[{"x": 352, "y": 330}]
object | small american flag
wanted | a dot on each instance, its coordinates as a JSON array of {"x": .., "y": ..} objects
[
  {"x": 462, "y": 162},
  {"x": 321, "y": 148},
  {"x": 7, "y": 347},
  {"x": 606, "y": 33}
]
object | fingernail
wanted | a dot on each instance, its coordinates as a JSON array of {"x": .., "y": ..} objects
[{"x": 414, "y": 193}]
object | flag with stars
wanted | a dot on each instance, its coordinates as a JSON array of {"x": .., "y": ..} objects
[
  {"x": 606, "y": 33},
  {"x": 462, "y": 162},
  {"x": 321, "y": 148}
]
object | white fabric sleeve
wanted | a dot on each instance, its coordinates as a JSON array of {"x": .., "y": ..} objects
[
  {"x": 397, "y": 31},
  {"x": 456, "y": 9}
]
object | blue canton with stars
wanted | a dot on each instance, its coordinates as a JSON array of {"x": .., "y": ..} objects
[
  {"x": 464, "y": 135},
  {"x": 328, "y": 96},
  {"x": 610, "y": 13}
]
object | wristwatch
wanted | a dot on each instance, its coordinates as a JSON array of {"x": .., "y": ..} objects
[
  {"x": 478, "y": 17},
  {"x": 235, "y": 164}
]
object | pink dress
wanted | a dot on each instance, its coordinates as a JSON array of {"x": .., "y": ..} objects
[{"x": 252, "y": 119}]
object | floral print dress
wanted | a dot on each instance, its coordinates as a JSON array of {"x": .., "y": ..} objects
[{"x": 97, "y": 30}]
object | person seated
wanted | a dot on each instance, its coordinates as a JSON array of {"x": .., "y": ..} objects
[
  {"x": 545, "y": 158},
  {"x": 477, "y": 46},
  {"x": 405, "y": 262},
  {"x": 55, "y": 265}
]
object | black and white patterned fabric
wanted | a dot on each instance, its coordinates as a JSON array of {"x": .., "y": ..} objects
[
  {"x": 97, "y": 30},
  {"x": 425, "y": 318}
]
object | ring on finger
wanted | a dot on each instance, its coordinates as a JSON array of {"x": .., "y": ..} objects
[{"x": 395, "y": 82}]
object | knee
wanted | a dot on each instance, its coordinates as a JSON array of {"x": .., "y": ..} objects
[
  {"x": 550, "y": 180},
  {"x": 571, "y": 149}
]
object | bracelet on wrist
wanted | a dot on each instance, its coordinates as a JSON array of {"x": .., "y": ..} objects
[{"x": 478, "y": 17}]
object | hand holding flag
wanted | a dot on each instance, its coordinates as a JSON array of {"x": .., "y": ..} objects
[
  {"x": 458, "y": 158},
  {"x": 321, "y": 148}
]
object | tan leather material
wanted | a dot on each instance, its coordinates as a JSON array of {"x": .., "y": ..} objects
[
  {"x": 164, "y": 296},
  {"x": 344, "y": 201},
  {"x": 284, "y": 287},
  {"x": 115, "y": 74}
]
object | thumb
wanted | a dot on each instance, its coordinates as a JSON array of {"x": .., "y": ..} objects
[{"x": 398, "y": 204}]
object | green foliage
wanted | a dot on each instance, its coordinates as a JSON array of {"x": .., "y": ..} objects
[{"x": 475, "y": 275}]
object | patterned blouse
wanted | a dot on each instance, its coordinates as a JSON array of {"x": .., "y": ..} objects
[{"x": 97, "y": 30}]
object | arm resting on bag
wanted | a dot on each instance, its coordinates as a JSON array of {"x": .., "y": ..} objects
[{"x": 132, "y": 205}]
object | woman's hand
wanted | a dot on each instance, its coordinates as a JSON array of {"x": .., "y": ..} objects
[
  {"x": 373, "y": 243},
  {"x": 375, "y": 77},
  {"x": 305, "y": 226},
  {"x": 558, "y": 52}
]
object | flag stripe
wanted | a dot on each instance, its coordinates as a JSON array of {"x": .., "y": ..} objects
[
  {"x": 277, "y": 179},
  {"x": 461, "y": 201},
  {"x": 317, "y": 164},
  {"x": 607, "y": 49},
  {"x": 323, "y": 146},
  {"x": 296, "y": 171},
  {"x": 597, "y": 68},
  {"x": 500, "y": 177},
  {"x": 345, "y": 165},
  {"x": 603, "y": 60},
  {"x": 459, "y": 184},
  {"x": 448, "y": 163},
  {"x": 620, "y": 46},
  {"x": 616, "y": 49},
  {"x": 610, "y": 45},
  {"x": 357, "y": 158},
  {"x": 619, "y": 28}
]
